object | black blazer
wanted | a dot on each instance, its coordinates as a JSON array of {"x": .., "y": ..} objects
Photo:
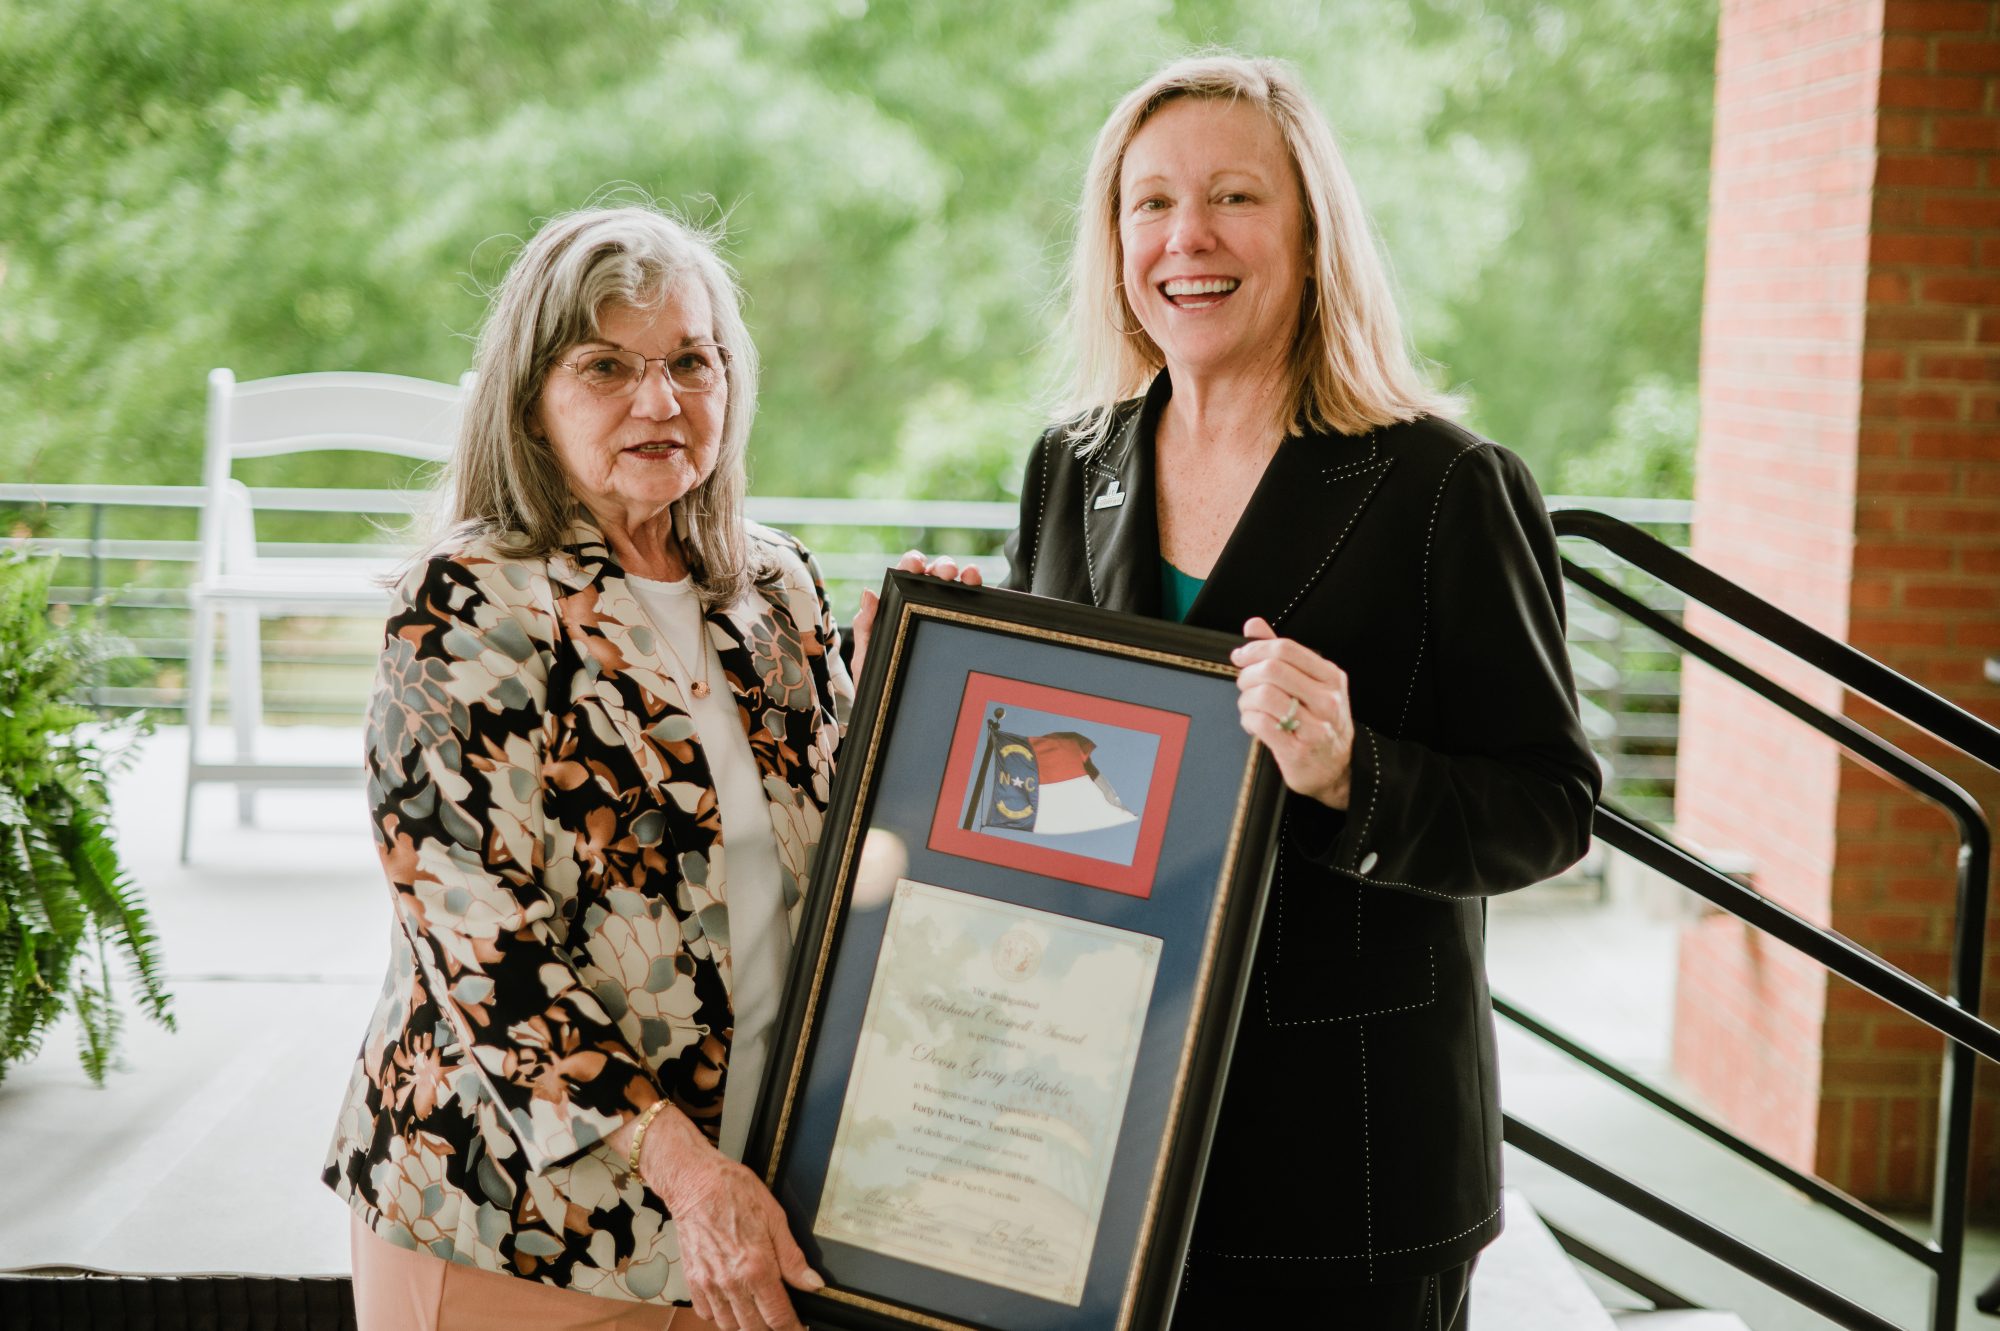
[{"x": 1360, "y": 1130}]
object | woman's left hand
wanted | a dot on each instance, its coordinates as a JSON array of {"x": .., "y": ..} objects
[
  {"x": 913, "y": 561},
  {"x": 1295, "y": 701}
]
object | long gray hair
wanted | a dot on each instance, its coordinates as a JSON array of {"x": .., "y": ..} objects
[
  {"x": 505, "y": 480},
  {"x": 1350, "y": 367}
]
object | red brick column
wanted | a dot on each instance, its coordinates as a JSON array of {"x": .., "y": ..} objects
[{"x": 1849, "y": 470}]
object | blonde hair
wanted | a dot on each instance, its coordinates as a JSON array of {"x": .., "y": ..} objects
[
  {"x": 1351, "y": 368},
  {"x": 506, "y": 481}
]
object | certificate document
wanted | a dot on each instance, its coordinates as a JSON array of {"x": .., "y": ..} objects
[{"x": 988, "y": 1086}]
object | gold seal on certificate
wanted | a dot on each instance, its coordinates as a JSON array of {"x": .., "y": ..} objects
[{"x": 995, "y": 1057}]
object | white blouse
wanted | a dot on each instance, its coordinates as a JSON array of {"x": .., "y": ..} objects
[{"x": 759, "y": 938}]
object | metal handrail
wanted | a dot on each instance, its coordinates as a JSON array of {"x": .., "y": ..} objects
[
  {"x": 1953, "y": 1014},
  {"x": 1622, "y": 706},
  {"x": 1857, "y": 670},
  {"x": 1944, "y": 720},
  {"x": 1660, "y": 1296},
  {"x": 936, "y": 514},
  {"x": 1859, "y": 741},
  {"x": 1948, "y": 1015},
  {"x": 1818, "y": 1189},
  {"x": 1683, "y": 1224}
]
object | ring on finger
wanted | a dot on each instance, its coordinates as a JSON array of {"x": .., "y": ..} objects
[{"x": 1290, "y": 720}]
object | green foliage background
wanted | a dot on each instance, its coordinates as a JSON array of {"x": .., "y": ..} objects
[{"x": 319, "y": 184}]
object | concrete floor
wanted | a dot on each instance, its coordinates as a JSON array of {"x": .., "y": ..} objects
[{"x": 202, "y": 1153}]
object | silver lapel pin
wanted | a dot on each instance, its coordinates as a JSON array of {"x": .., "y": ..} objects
[{"x": 1111, "y": 498}]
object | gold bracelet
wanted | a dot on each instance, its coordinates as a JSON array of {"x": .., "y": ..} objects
[{"x": 639, "y": 1134}]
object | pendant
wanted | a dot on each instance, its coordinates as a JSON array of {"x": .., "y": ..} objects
[{"x": 699, "y": 688}]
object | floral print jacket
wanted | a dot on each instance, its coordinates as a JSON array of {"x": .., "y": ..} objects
[{"x": 546, "y": 819}]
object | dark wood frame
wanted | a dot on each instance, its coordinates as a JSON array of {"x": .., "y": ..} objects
[{"x": 1221, "y": 968}]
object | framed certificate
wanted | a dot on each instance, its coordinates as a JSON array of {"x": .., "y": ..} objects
[{"x": 1016, "y": 985}]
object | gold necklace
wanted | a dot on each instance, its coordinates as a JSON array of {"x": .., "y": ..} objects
[{"x": 697, "y": 687}]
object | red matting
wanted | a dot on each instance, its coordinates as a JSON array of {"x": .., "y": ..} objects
[{"x": 982, "y": 693}]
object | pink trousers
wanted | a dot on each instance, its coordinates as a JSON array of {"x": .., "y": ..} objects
[{"x": 396, "y": 1289}]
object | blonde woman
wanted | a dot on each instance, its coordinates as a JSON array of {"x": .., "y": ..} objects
[{"x": 1249, "y": 447}]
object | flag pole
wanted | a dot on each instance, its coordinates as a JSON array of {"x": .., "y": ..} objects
[{"x": 985, "y": 760}]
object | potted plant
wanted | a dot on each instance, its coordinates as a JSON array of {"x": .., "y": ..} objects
[{"x": 66, "y": 903}]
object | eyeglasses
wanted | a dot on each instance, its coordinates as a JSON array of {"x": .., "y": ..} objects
[{"x": 696, "y": 368}]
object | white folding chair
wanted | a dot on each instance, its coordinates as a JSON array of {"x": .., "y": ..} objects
[{"x": 297, "y": 413}]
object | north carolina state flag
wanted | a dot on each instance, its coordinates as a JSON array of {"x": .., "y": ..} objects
[{"x": 1048, "y": 785}]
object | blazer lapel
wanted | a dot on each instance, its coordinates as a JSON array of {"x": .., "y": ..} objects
[
  {"x": 1312, "y": 493},
  {"x": 1121, "y": 524},
  {"x": 604, "y": 615},
  {"x": 751, "y": 648},
  {"x": 762, "y": 649},
  {"x": 764, "y": 665}
]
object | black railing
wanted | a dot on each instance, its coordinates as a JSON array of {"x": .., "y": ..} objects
[
  {"x": 1662, "y": 1298},
  {"x": 1954, "y": 1013}
]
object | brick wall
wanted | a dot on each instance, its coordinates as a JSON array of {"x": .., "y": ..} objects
[
  {"x": 1925, "y": 591},
  {"x": 1782, "y": 322},
  {"x": 1849, "y": 470}
]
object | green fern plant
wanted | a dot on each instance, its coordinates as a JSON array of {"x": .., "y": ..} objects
[{"x": 67, "y": 905}]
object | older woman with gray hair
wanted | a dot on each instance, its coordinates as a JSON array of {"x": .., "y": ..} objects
[{"x": 599, "y": 753}]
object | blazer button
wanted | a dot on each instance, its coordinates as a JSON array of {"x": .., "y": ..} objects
[{"x": 1367, "y": 863}]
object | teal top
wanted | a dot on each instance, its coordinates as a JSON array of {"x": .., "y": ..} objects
[{"x": 1177, "y": 592}]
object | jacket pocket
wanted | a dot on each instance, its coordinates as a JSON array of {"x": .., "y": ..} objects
[{"x": 1312, "y": 969}]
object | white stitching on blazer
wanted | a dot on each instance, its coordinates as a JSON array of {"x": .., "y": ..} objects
[
  {"x": 1430, "y": 952},
  {"x": 1367, "y": 1157},
  {"x": 1424, "y": 623},
  {"x": 1089, "y": 555},
  {"x": 1278, "y": 943},
  {"x": 1363, "y": 464},
  {"x": 1278, "y": 946},
  {"x": 1127, "y": 432},
  {"x": 1368, "y": 819},
  {"x": 1278, "y": 956},
  {"x": 1390, "y": 882},
  {"x": 1041, "y": 507},
  {"x": 1331, "y": 551},
  {"x": 1360, "y": 899},
  {"x": 1348, "y": 1256}
]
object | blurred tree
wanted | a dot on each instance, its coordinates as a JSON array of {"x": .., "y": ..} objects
[
  {"x": 1603, "y": 109},
  {"x": 1649, "y": 452},
  {"x": 333, "y": 184}
]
